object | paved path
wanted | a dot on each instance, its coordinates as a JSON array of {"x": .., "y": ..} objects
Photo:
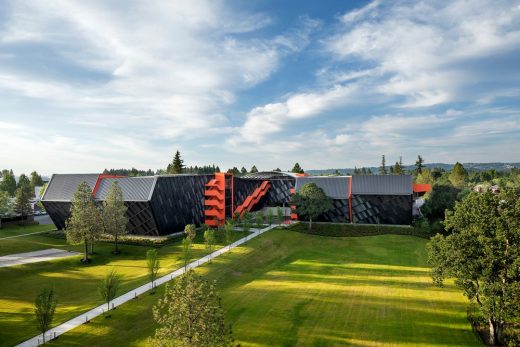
[
  {"x": 85, "y": 317},
  {"x": 22, "y": 235},
  {"x": 35, "y": 257}
]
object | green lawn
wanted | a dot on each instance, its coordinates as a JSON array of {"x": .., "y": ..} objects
[
  {"x": 75, "y": 283},
  {"x": 293, "y": 289}
]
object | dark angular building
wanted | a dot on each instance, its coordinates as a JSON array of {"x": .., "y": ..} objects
[{"x": 161, "y": 205}]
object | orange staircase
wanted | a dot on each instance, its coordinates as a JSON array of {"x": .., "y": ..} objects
[
  {"x": 294, "y": 215},
  {"x": 214, "y": 202},
  {"x": 254, "y": 198}
]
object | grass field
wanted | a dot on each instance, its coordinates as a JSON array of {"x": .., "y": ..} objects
[
  {"x": 293, "y": 289},
  {"x": 75, "y": 283}
]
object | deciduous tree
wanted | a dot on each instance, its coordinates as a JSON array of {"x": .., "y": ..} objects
[
  {"x": 458, "y": 175},
  {"x": 279, "y": 214},
  {"x": 186, "y": 251},
  {"x": 190, "y": 314},
  {"x": 8, "y": 183},
  {"x": 482, "y": 253},
  {"x": 311, "y": 201},
  {"x": 22, "y": 203},
  {"x": 4, "y": 205},
  {"x": 209, "y": 241},
  {"x": 44, "y": 308},
  {"x": 153, "y": 265},
  {"x": 270, "y": 217},
  {"x": 114, "y": 214},
  {"x": 191, "y": 231},
  {"x": 84, "y": 223},
  {"x": 109, "y": 287}
]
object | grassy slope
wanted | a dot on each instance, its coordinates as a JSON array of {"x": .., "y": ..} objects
[
  {"x": 75, "y": 283},
  {"x": 292, "y": 289}
]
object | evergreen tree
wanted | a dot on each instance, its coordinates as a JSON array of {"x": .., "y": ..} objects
[
  {"x": 392, "y": 170},
  {"x": 369, "y": 171},
  {"x": 8, "y": 183},
  {"x": 234, "y": 171},
  {"x": 277, "y": 169},
  {"x": 297, "y": 168},
  {"x": 382, "y": 168},
  {"x": 458, "y": 176},
  {"x": 243, "y": 170},
  {"x": 176, "y": 167},
  {"x": 254, "y": 169},
  {"x": 356, "y": 171},
  {"x": 363, "y": 171},
  {"x": 4, "y": 205},
  {"x": 22, "y": 203},
  {"x": 84, "y": 223},
  {"x": 190, "y": 314},
  {"x": 114, "y": 214},
  {"x": 398, "y": 168},
  {"x": 419, "y": 165}
]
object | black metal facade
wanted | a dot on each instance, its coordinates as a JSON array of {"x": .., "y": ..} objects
[
  {"x": 382, "y": 209},
  {"x": 59, "y": 211},
  {"x": 177, "y": 201}
]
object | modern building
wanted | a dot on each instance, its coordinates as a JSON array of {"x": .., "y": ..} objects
[{"x": 160, "y": 205}]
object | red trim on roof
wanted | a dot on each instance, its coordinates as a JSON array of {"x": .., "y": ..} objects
[
  {"x": 98, "y": 182},
  {"x": 421, "y": 188}
]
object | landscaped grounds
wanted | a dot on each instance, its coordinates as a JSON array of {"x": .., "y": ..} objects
[
  {"x": 76, "y": 284},
  {"x": 287, "y": 288}
]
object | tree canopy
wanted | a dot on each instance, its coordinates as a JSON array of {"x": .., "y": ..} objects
[
  {"x": 311, "y": 201},
  {"x": 297, "y": 168},
  {"x": 8, "y": 183},
  {"x": 114, "y": 214},
  {"x": 482, "y": 253},
  {"x": 190, "y": 314},
  {"x": 458, "y": 176}
]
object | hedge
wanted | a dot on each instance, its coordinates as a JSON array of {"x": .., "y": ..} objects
[{"x": 353, "y": 230}]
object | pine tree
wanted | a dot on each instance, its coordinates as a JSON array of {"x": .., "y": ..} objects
[
  {"x": 398, "y": 169},
  {"x": 277, "y": 169},
  {"x": 419, "y": 165},
  {"x": 297, "y": 168},
  {"x": 391, "y": 170},
  {"x": 382, "y": 168},
  {"x": 114, "y": 214},
  {"x": 254, "y": 169},
  {"x": 84, "y": 223},
  {"x": 243, "y": 170},
  {"x": 363, "y": 171},
  {"x": 177, "y": 166}
]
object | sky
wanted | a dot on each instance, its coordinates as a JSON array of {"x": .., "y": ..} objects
[{"x": 88, "y": 85}]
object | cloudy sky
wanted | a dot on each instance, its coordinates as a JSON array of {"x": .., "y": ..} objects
[{"x": 86, "y": 85}]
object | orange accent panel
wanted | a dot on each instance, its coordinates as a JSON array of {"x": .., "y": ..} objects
[
  {"x": 214, "y": 201},
  {"x": 421, "y": 188},
  {"x": 254, "y": 198}
]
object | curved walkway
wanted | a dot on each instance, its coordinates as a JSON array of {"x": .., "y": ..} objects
[{"x": 85, "y": 317}]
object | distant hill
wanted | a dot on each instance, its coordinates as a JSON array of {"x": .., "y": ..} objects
[{"x": 447, "y": 167}]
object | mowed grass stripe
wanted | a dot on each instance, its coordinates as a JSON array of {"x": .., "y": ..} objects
[{"x": 293, "y": 289}]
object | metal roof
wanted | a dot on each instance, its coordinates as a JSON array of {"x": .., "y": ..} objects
[
  {"x": 335, "y": 187},
  {"x": 134, "y": 188},
  {"x": 63, "y": 186},
  {"x": 269, "y": 175},
  {"x": 382, "y": 184}
]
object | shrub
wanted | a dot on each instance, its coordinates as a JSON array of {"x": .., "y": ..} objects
[{"x": 349, "y": 230}]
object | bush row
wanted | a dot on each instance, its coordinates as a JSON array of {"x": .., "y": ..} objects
[{"x": 352, "y": 230}]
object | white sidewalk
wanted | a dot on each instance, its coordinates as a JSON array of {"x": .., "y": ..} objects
[
  {"x": 85, "y": 317},
  {"x": 35, "y": 257}
]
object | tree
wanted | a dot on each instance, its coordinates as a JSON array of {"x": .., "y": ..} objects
[
  {"x": 425, "y": 177},
  {"x": 44, "y": 308},
  {"x": 277, "y": 170},
  {"x": 25, "y": 183},
  {"x": 398, "y": 168},
  {"x": 382, "y": 168},
  {"x": 191, "y": 231},
  {"x": 36, "y": 180},
  {"x": 311, "y": 202},
  {"x": 229, "y": 229},
  {"x": 4, "y": 205},
  {"x": 259, "y": 219},
  {"x": 392, "y": 170},
  {"x": 279, "y": 213},
  {"x": 8, "y": 182},
  {"x": 209, "y": 241},
  {"x": 441, "y": 198},
  {"x": 153, "y": 265},
  {"x": 246, "y": 221},
  {"x": 235, "y": 171},
  {"x": 22, "y": 203},
  {"x": 190, "y": 314},
  {"x": 297, "y": 169},
  {"x": 254, "y": 169},
  {"x": 458, "y": 176},
  {"x": 419, "y": 165},
  {"x": 176, "y": 167},
  {"x": 186, "y": 251},
  {"x": 270, "y": 217},
  {"x": 40, "y": 195},
  {"x": 482, "y": 254},
  {"x": 243, "y": 170},
  {"x": 108, "y": 287},
  {"x": 114, "y": 214},
  {"x": 84, "y": 223}
]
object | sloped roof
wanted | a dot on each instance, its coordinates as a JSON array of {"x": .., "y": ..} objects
[
  {"x": 269, "y": 175},
  {"x": 134, "y": 188},
  {"x": 382, "y": 184},
  {"x": 63, "y": 186},
  {"x": 335, "y": 187}
]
